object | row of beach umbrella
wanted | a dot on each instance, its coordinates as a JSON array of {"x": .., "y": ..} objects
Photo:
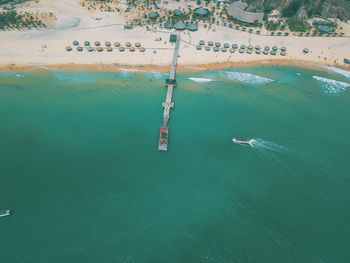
[
  {"x": 107, "y": 44},
  {"x": 109, "y": 48},
  {"x": 181, "y": 26}
]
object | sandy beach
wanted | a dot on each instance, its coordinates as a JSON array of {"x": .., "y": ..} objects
[{"x": 23, "y": 49}]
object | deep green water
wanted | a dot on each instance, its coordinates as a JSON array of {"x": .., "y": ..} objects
[{"x": 80, "y": 171}]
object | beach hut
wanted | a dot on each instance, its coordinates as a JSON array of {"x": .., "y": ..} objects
[
  {"x": 199, "y": 47},
  {"x": 250, "y": 47},
  {"x": 216, "y": 49},
  {"x": 232, "y": 50},
  {"x": 108, "y": 44},
  {"x": 306, "y": 50},
  {"x": 283, "y": 48},
  {"x": 210, "y": 43},
  {"x": 137, "y": 44},
  {"x": 201, "y": 11},
  {"x": 217, "y": 44},
  {"x": 79, "y": 49},
  {"x": 235, "y": 46},
  {"x": 121, "y": 49},
  {"x": 265, "y": 52},
  {"x": 128, "y": 44},
  {"x": 243, "y": 46},
  {"x": 90, "y": 49},
  {"x": 273, "y": 52},
  {"x": 68, "y": 48},
  {"x": 177, "y": 12},
  {"x": 97, "y": 43},
  {"x": 226, "y": 45},
  {"x": 274, "y": 48},
  {"x": 180, "y": 26},
  {"x": 109, "y": 49},
  {"x": 86, "y": 43},
  {"x": 223, "y": 49},
  {"x": 201, "y": 42},
  {"x": 257, "y": 47},
  {"x": 267, "y": 48},
  {"x": 131, "y": 49},
  {"x": 142, "y": 49},
  {"x": 168, "y": 25},
  {"x": 207, "y": 48},
  {"x": 192, "y": 27},
  {"x": 116, "y": 44},
  {"x": 153, "y": 15},
  {"x": 283, "y": 53},
  {"x": 99, "y": 49},
  {"x": 75, "y": 43}
]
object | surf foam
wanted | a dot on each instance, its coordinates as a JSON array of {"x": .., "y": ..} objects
[
  {"x": 201, "y": 80},
  {"x": 340, "y": 71},
  {"x": 331, "y": 86},
  {"x": 244, "y": 77}
]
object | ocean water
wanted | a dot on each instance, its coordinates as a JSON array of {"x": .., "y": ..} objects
[{"x": 80, "y": 171}]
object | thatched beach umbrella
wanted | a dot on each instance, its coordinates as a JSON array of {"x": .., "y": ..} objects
[
  {"x": 273, "y": 52},
  {"x": 223, "y": 49},
  {"x": 199, "y": 47},
  {"x": 265, "y": 52},
  {"x": 210, "y": 43},
  {"x": 306, "y": 50},
  {"x": 168, "y": 25},
  {"x": 128, "y": 44},
  {"x": 177, "y": 12},
  {"x": 137, "y": 44},
  {"x": 121, "y": 49},
  {"x": 108, "y": 44},
  {"x": 192, "y": 27},
  {"x": 283, "y": 48},
  {"x": 142, "y": 49},
  {"x": 90, "y": 49},
  {"x": 201, "y": 42},
  {"x": 267, "y": 48},
  {"x": 117, "y": 44},
  {"x": 217, "y": 44},
  {"x": 232, "y": 50},
  {"x": 79, "y": 49},
  {"x": 243, "y": 46},
  {"x": 97, "y": 43},
  {"x": 75, "y": 43},
  {"x": 207, "y": 48},
  {"x": 99, "y": 49},
  {"x": 283, "y": 53},
  {"x": 257, "y": 51},
  {"x": 216, "y": 49},
  {"x": 180, "y": 26},
  {"x": 250, "y": 47},
  {"x": 131, "y": 49},
  {"x": 249, "y": 51},
  {"x": 257, "y": 47},
  {"x": 235, "y": 46},
  {"x": 226, "y": 45},
  {"x": 68, "y": 48},
  {"x": 241, "y": 51},
  {"x": 153, "y": 15},
  {"x": 86, "y": 43},
  {"x": 274, "y": 48},
  {"x": 109, "y": 49},
  {"x": 201, "y": 11}
]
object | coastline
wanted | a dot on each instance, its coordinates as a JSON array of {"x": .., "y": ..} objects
[{"x": 165, "y": 68}]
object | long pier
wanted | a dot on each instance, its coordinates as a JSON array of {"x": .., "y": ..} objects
[{"x": 168, "y": 104}]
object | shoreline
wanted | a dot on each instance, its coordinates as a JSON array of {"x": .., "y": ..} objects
[{"x": 162, "y": 68}]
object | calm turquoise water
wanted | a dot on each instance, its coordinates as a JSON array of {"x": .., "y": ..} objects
[{"x": 80, "y": 171}]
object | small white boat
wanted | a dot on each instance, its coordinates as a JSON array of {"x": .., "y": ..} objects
[
  {"x": 242, "y": 141},
  {"x": 4, "y": 213}
]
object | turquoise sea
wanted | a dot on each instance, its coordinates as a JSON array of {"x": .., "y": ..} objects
[{"x": 80, "y": 171}]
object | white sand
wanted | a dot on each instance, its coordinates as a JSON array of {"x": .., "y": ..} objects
[{"x": 47, "y": 47}]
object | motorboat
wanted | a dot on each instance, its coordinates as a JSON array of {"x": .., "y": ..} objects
[
  {"x": 4, "y": 213},
  {"x": 242, "y": 141}
]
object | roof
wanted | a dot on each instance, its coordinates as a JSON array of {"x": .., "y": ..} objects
[
  {"x": 180, "y": 26},
  {"x": 153, "y": 14},
  {"x": 236, "y": 10},
  {"x": 177, "y": 12},
  {"x": 325, "y": 29},
  {"x": 201, "y": 11},
  {"x": 192, "y": 27},
  {"x": 168, "y": 25}
]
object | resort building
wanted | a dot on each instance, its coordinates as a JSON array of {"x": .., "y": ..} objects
[{"x": 237, "y": 11}]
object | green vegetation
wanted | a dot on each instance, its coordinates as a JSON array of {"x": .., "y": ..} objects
[
  {"x": 297, "y": 26},
  {"x": 292, "y": 8},
  {"x": 13, "y": 20}
]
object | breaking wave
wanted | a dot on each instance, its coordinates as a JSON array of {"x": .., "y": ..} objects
[
  {"x": 156, "y": 75},
  {"x": 201, "y": 80},
  {"x": 331, "y": 86},
  {"x": 244, "y": 77},
  {"x": 340, "y": 71}
]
